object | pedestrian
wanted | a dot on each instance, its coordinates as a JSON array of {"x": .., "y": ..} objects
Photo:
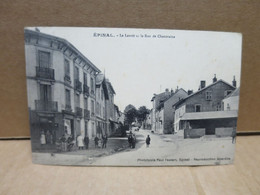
[
  {"x": 48, "y": 137},
  {"x": 42, "y": 138},
  {"x": 86, "y": 141},
  {"x": 104, "y": 145},
  {"x": 148, "y": 141},
  {"x": 233, "y": 135},
  {"x": 96, "y": 141},
  {"x": 80, "y": 142},
  {"x": 133, "y": 141},
  {"x": 130, "y": 139}
]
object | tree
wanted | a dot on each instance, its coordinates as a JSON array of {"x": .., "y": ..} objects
[
  {"x": 130, "y": 114},
  {"x": 142, "y": 113}
]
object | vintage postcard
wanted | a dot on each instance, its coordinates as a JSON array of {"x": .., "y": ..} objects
[{"x": 132, "y": 97}]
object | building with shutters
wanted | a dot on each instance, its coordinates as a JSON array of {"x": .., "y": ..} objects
[{"x": 61, "y": 86}]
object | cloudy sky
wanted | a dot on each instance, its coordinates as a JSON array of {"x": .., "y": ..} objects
[{"x": 139, "y": 66}]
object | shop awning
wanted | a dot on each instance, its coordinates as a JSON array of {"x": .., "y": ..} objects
[{"x": 209, "y": 115}]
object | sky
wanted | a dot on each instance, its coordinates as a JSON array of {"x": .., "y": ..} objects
[{"x": 143, "y": 62}]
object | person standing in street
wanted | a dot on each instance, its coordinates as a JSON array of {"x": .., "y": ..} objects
[
  {"x": 80, "y": 142},
  {"x": 86, "y": 141},
  {"x": 104, "y": 143},
  {"x": 148, "y": 141},
  {"x": 133, "y": 141},
  {"x": 96, "y": 142}
]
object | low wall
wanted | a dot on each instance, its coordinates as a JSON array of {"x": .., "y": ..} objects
[
  {"x": 194, "y": 133},
  {"x": 224, "y": 131}
]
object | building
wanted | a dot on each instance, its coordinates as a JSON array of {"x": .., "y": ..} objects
[
  {"x": 231, "y": 102},
  {"x": 201, "y": 112},
  {"x": 169, "y": 110},
  {"x": 110, "y": 109},
  {"x": 61, "y": 88},
  {"x": 101, "y": 98},
  {"x": 157, "y": 99}
]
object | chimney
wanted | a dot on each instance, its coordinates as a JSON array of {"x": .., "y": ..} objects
[
  {"x": 166, "y": 90},
  {"x": 215, "y": 79},
  {"x": 172, "y": 91},
  {"x": 190, "y": 92},
  {"x": 234, "y": 82},
  {"x": 202, "y": 84}
]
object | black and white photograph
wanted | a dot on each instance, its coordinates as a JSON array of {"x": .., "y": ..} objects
[{"x": 132, "y": 97}]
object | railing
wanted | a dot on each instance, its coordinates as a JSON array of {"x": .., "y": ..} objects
[
  {"x": 86, "y": 90},
  {"x": 45, "y": 73},
  {"x": 48, "y": 106},
  {"x": 78, "y": 85},
  {"x": 78, "y": 112},
  {"x": 86, "y": 114}
]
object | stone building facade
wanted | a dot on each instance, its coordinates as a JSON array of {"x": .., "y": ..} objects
[{"x": 63, "y": 96}]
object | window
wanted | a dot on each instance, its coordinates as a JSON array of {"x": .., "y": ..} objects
[
  {"x": 97, "y": 108},
  {"x": 208, "y": 95},
  {"x": 86, "y": 103},
  {"x": 92, "y": 85},
  {"x": 76, "y": 73},
  {"x": 77, "y": 100},
  {"x": 45, "y": 92},
  {"x": 67, "y": 97},
  {"x": 44, "y": 59},
  {"x": 67, "y": 67},
  {"x": 85, "y": 78},
  {"x": 228, "y": 107},
  {"x": 92, "y": 107},
  {"x": 197, "y": 108}
]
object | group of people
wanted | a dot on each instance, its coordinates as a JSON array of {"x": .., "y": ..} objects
[
  {"x": 101, "y": 142},
  {"x": 131, "y": 140},
  {"x": 46, "y": 138},
  {"x": 84, "y": 142}
]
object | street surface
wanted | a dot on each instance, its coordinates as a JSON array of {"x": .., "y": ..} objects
[{"x": 164, "y": 150}]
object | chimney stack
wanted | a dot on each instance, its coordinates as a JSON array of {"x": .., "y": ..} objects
[
  {"x": 202, "y": 84},
  {"x": 215, "y": 79},
  {"x": 234, "y": 82}
]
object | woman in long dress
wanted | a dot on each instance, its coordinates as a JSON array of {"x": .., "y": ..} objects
[{"x": 43, "y": 138}]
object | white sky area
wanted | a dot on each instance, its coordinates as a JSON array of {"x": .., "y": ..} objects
[{"x": 139, "y": 67}]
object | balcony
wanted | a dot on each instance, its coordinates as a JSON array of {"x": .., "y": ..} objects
[
  {"x": 78, "y": 112},
  {"x": 46, "y": 106},
  {"x": 86, "y": 90},
  {"x": 78, "y": 85},
  {"x": 86, "y": 114},
  {"x": 44, "y": 73},
  {"x": 68, "y": 108},
  {"x": 67, "y": 78}
]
